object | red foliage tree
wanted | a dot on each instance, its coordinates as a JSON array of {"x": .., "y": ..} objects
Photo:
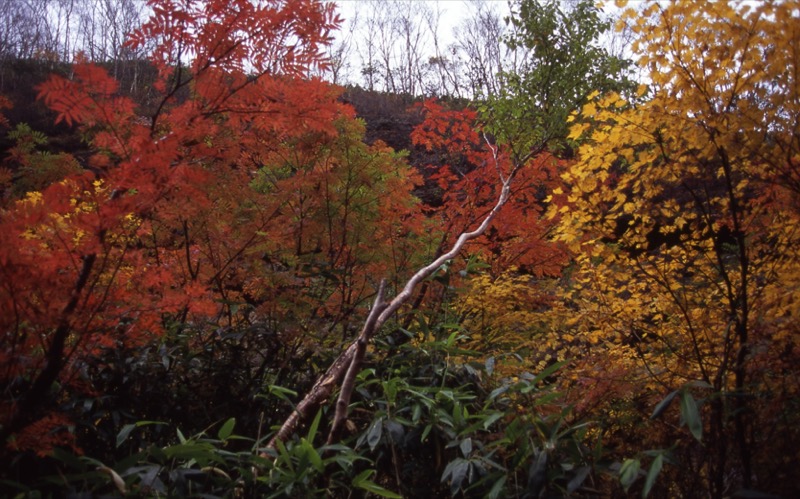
[
  {"x": 163, "y": 214},
  {"x": 473, "y": 170}
]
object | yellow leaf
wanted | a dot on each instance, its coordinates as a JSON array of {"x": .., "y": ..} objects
[{"x": 576, "y": 131}]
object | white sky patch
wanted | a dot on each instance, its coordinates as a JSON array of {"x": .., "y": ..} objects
[
  {"x": 453, "y": 12},
  {"x": 361, "y": 18}
]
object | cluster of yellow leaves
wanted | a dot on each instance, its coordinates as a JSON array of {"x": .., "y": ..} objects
[
  {"x": 682, "y": 209},
  {"x": 516, "y": 319},
  {"x": 501, "y": 316},
  {"x": 58, "y": 228}
]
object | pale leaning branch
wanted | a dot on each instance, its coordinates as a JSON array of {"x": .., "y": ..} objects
[{"x": 350, "y": 360}]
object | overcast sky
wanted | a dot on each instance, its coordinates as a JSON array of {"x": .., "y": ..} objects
[
  {"x": 453, "y": 11},
  {"x": 451, "y": 14}
]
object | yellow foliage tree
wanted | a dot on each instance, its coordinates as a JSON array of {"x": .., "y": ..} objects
[
  {"x": 683, "y": 213},
  {"x": 503, "y": 319}
]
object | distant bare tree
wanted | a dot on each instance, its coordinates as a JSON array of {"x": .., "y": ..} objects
[
  {"x": 415, "y": 26},
  {"x": 369, "y": 28},
  {"x": 23, "y": 28},
  {"x": 619, "y": 39},
  {"x": 479, "y": 42},
  {"x": 386, "y": 36},
  {"x": 399, "y": 46},
  {"x": 104, "y": 26},
  {"x": 59, "y": 29},
  {"x": 443, "y": 64},
  {"x": 340, "y": 52},
  {"x": 394, "y": 44}
]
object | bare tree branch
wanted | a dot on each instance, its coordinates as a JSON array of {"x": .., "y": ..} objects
[
  {"x": 355, "y": 365},
  {"x": 324, "y": 386}
]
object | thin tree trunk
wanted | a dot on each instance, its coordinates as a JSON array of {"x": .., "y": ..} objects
[{"x": 36, "y": 394}]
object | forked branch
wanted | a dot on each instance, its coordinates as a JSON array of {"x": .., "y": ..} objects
[{"x": 348, "y": 364}]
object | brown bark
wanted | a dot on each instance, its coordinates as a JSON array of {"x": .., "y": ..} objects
[{"x": 23, "y": 412}]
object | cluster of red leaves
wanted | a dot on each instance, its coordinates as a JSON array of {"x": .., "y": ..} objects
[
  {"x": 161, "y": 224},
  {"x": 470, "y": 179},
  {"x": 44, "y": 435}
]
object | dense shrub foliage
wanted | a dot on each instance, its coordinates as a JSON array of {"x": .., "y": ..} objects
[{"x": 216, "y": 282}]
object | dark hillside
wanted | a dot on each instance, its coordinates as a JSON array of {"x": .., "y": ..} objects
[
  {"x": 389, "y": 117},
  {"x": 19, "y": 82}
]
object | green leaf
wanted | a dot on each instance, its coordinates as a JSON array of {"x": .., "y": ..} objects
[
  {"x": 283, "y": 453},
  {"x": 126, "y": 430},
  {"x": 537, "y": 474},
  {"x": 451, "y": 340},
  {"x": 416, "y": 413},
  {"x": 455, "y": 472},
  {"x": 312, "y": 455},
  {"x": 227, "y": 429},
  {"x": 374, "y": 434},
  {"x": 490, "y": 365},
  {"x": 362, "y": 481},
  {"x": 425, "y": 432},
  {"x": 466, "y": 446},
  {"x": 199, "y": 451},
  {"x": 652, "y": 473},
  {"x": 578, "y": 479},
  {"x": 628, "y": 472},
  {"x": 498, "y": 391},
  {"x": 366, "y": 373},
  {"x": 281, "y": 392},
  {"x": 390, "y": 389},
  {"x": 691, "y": 415},
  {"x": 491, "y": 419},
  {"x": 549, "y": 370},
  {"x": 361, "y": 477},
  {"x": 376, "y": 489},
  {"x": 395, "y": 430},
  {"x": 124, "y": 433},
  {"x": 544, "y": 399},
  {"x": 497, "y": 488},
  {"x": 699, "y": 384},
  {"x": 312, "y": 431},
  {"x": 663, "y": 405}
]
